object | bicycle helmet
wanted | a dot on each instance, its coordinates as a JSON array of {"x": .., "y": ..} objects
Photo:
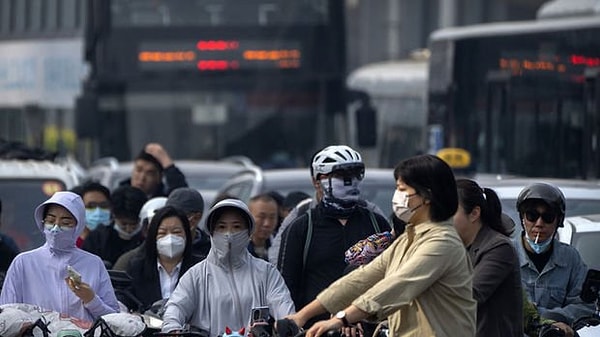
[
  {"x": 547, "y": 193},
  {"x": 336, "y": 158},
  {"x": 150, "y": 207}
]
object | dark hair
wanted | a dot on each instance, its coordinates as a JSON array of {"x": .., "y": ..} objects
[
  {"x": 143, "y": 155},
  {"x": 217, "y": 213},
  {"x": 91, "y": 186},
  {"x": 471, "y": 195},
  {"x": 127, "y": 201},
  {"x": 151, "y": 253},
  {"x": 433, "y": 180},
  {"x": 266, "y": 197}
]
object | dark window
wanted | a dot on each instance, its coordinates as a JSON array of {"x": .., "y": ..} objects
[{"x": 5, "y": 16}]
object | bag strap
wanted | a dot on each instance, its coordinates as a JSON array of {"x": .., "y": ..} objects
[
  {"x": 374, "y": 222},
  {"x": 309, "y": 230}
]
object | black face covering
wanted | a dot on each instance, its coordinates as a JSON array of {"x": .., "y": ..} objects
[{"x": 39, "y": 324}]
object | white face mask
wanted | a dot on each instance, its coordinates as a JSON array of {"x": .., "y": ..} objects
[
  {"x": 400, "y": 206},
  {"x": 170, "y": 245}
]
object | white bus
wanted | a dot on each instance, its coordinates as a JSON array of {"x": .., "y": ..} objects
[{"x": 397, "y": 92}]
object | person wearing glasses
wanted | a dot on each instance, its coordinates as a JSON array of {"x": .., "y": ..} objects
[
  {"x": 552, "y": 272},
  {"x": 125, "y": 231},
  {"x": 59, "y": 276}
]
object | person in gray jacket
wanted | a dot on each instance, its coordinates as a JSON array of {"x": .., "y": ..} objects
[{"x": 222, "y": 290}]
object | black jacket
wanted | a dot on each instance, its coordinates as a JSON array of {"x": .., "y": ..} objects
[
  {"x": 145, "y": 279},
  {"x": 325, "y": 257},
  {"x": 105, "y": 242},
  {"x": 172, "y": 175}
]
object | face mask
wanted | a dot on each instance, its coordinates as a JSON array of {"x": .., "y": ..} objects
[
  {"x": 539, "y": 247},
  {"x": 125, "y": 235},
  {"x": 170, "y": 245},
  {"x": 342, "y": 189},
  {"x": 230, "y": 245},
  {"x": 400, "y": 206},
  {"x": 59, "y": 238},
  {"x": 97, "y": 216}
]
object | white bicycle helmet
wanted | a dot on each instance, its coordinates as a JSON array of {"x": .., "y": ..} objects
[
  {"x": 150, "y": 207},
  {"x": 338, "y": 158}
]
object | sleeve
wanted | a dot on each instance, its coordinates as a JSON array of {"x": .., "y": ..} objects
[
  {"x": 573, "y": 307},
  {"x": 278, "y": 295},
  {"x": 411, "y": 278},
  {"x": 181, "y": 305},
  {"x": 11, "y": 289},
  {"x": 105, "y": 301},
  {"x": 493, "y": 269},
  {"x": 277, "y": 239},
  {"x": 291, "y": 258},
  {"x": 531, "y": 318},
  {"x": 174, "y": 178},
  {"x": 342, "y": 292}
]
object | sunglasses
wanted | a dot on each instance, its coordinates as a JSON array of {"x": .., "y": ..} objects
[{"x": 547, "y": 217}]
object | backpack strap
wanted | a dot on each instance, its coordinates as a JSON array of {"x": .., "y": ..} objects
[
  {"x": 309, "y": 230},
  {"x": 374, "y": 222}
]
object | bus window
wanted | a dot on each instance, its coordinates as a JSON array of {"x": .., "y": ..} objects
[{"x": 516, "y": 96}]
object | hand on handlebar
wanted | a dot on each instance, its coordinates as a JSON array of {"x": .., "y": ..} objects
[
  {"x": 565, "y": 328},
  {"x": 322, "y": 327}
]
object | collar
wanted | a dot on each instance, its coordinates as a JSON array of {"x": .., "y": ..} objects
[
  {"x": 558, "y": 256},
  {"x": 175, "y": 270}
]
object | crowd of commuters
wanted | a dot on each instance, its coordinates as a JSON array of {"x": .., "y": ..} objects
[{"x": 443, "y": 264}]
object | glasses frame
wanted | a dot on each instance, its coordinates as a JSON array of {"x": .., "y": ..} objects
[{"x": 548, "y": 217}]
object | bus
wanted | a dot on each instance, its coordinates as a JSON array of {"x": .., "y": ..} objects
[
  {"x": 41, "y": 69},
  {"x": 213, "y": 78},
  {"x": 522, "y": 97},
  {"x": 396, "y": 91}
]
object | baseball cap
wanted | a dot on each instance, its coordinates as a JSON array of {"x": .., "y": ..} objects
[{"x": 186, "y": 199}]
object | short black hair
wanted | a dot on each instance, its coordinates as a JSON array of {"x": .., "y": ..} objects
[
  {"x": 127, "y": 202},
  {"x": 150, "y": 241},
  {"x": 91, "y": 186},
  {"x": 434, "y": 180}
]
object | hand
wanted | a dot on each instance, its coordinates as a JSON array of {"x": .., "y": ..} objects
[
  {"x": 565, "y": 328},
  {"x": 297, "y": 319},
  {"x": 353, "y": 331},
  {"x": 322, "y": 327},
  {"x": 81, "y": 290},
  {"x": 159, "y": 153}
]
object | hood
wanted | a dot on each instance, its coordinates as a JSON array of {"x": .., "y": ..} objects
[
  {"x": 69, "y": 200},
  {"x": 235, "y": 203}
]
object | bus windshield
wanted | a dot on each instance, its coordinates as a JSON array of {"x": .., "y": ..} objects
[{"x": 522, "y": 101}]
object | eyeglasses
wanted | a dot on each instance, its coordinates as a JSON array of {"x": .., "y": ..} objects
[{"x": 533, "y": 215}]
